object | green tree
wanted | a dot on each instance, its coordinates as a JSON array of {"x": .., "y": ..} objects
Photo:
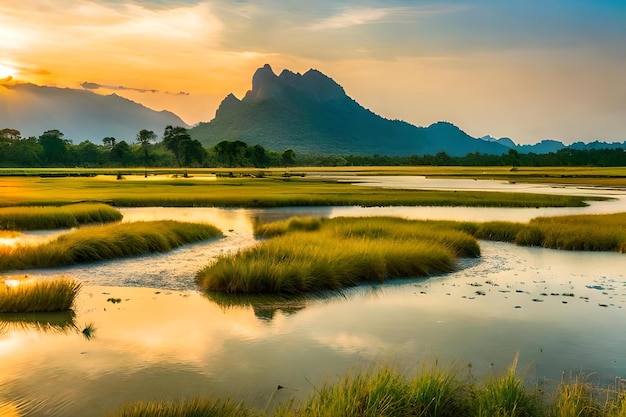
[
  {"x": 55, "y": 148},
  {"x": 144, "y": 137},
  {"x": 185, "y": 150},
  {"x": 288, "y": 157}
]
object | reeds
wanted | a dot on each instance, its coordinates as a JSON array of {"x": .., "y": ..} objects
[
  {"x": 102, "y": 242},
  {"x": 337, "y": 253},
  {"x": 53, "y": 217},
  {"x": 29, "y": 295}
]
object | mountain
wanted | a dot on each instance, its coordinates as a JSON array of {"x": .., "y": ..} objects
[
  {"x": 311, "y": 113},
  {"x": 80, "y": 115}
]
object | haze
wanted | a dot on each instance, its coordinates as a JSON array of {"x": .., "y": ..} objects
[{"x": 524, "y": 69}]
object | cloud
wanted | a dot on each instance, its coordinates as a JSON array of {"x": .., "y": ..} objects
[
  {"x": 95, "y": 86},
  {"x": 352, "y": 17}
]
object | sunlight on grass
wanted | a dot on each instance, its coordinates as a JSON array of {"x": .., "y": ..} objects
[
  {"x": 97, "y": 243},
  {"x": 31, "y": 295},
  {"x": 434, "y": 391},
  {"x": 63, "y": 217},
  {"x": 308, "y": 255}
]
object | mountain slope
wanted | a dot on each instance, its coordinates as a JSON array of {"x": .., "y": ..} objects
[
  {"x": 80, "y": 115},
  {"x": 311, "y": 113}
]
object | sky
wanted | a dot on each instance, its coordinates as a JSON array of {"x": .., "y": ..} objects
[{"x": 524, "y": 69}]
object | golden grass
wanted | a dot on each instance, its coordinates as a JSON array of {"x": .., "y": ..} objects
[
  {"x": 97, "y": 243},
  {"x": 52, "y": 217},
  {"x": 337, "y": 253},
  {"x": 253, "y": 192},
  {"x": 591, "y": 232},
  {"x": 30, "y": 295}
]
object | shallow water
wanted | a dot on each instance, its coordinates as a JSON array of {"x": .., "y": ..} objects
[{"x": 560, "y": 310}]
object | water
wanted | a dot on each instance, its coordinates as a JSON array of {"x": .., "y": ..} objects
[{"x": 560, "y": 310}]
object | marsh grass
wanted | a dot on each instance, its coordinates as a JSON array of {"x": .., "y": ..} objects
[
  {"x": 340, "y": 252},
  {"x": 30, "y": 295},
  {"x": 256, "y": 192},
  {"x": 195, "y": 407},
  {"x": 433, "y": 391},
  {"x": 102, "y": 242},
  {"x": 504, "y": 396},
  {"x": 52, "y": 217},
  {"x": 594, "y": 232}
]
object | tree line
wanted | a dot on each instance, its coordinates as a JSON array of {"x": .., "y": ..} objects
[{"x": 176, "y": 148}]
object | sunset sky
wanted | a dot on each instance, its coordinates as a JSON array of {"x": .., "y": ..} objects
[{"x": 527, "y": 69}]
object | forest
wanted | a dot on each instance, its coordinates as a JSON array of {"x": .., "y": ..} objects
[{"x": 175, "y": 148}]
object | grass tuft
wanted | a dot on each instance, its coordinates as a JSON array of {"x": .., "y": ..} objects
[
  {"x": 29, "y": 295},
  {"x": 97, "y": 243},
  {"x": 63, "y": 217}
]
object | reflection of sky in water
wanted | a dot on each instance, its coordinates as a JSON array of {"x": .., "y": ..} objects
[{"x": 160, "y": 343}]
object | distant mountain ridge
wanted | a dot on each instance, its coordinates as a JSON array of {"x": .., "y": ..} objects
[
  {"x": 80, "y": 115},
  {"x": 311, "y": 113},
  {"x": 549, "y": 145}
]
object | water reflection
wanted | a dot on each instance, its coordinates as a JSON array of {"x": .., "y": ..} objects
[
  {"x": 163, "y": 344},
  {"x": 60, "y": 322}
]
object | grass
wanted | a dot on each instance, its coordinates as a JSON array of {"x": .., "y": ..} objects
[
  {"x": 40, "y": 218},
  {"x": 597, "y": 232},
  {"x": 29, "y": 295},
  {"x": 271, "y": 191},
  {"x": 432, "y": 392},
  {"x": 304, "y": 256},
  {"x": 195, "y": 407},
  {"x": 102, "y": 242}
]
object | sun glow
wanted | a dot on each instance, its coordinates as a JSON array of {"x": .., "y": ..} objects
[{"x": 7, "y": 72}]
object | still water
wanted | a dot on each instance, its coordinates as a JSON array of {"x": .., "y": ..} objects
[{"x": 560, "y": 310}]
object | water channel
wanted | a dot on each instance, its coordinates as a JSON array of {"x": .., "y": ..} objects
[{"x": 561, "y": 311}]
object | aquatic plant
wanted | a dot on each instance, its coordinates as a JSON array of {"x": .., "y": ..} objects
[
  {"x": 96, "y": 243},
  {"x": 89, "y": 331},
  {"x": 53, "y": 217},
  {"x": 30, "y": 295},
  {"x": 342, "y": 252}
]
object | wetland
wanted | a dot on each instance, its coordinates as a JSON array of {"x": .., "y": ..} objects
[{"x": 157, "y": 336}]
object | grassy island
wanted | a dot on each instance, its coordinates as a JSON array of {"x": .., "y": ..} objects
[
  {"x": 53, "y": 217},
  {"x": 591, "y": 232},
  {"x": 97, "y": 243},
  {"x": 308, "y": 255},
  {"x": 30, "y": 295}
]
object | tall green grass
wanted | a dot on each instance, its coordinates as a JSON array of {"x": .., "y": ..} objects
[
  {"x": 432, "y": 392},
  {"x": 336, "y": 253},
  {"x": 594, "y": 232},
  {"x": 29, "y": 295},
  {"x": 102, "y": 242},
  {"x": 504, "y": 396},
  {"x": 52, "y": 217}
]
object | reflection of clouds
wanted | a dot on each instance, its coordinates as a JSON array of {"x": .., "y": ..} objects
[{"x": 354, "y": 343}]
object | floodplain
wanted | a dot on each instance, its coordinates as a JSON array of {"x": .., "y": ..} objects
[{"x": 155, "y": 336}]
